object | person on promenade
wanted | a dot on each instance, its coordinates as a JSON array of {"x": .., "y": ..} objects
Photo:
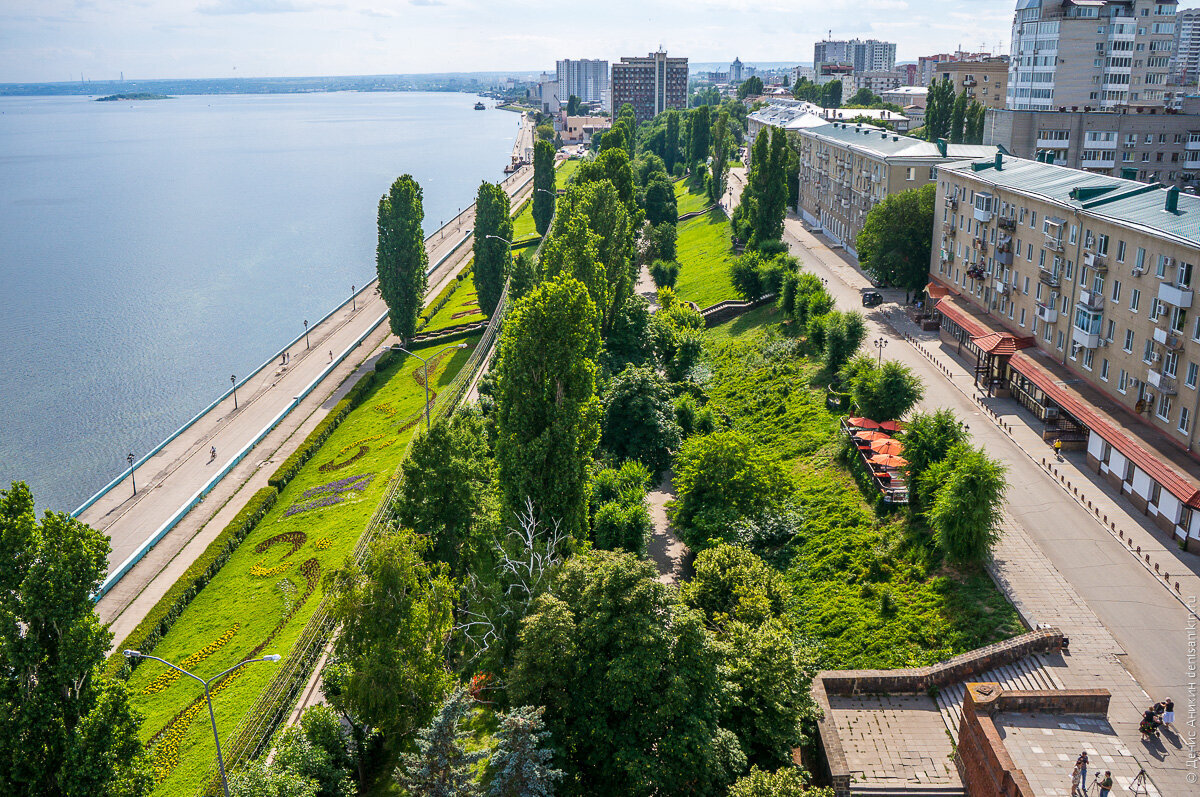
[
  {"x": 1082, "y": 763},
  {"x": 331, "y": 355},
  {"x": 1106, "y": 784},
  {"x": 212, "y": 453},
  {"x": 1168, "y": 715},
  {"x": 1077, "y": 781}
]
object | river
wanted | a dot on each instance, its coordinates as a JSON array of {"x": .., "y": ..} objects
[{"x": 151, "y": 249}]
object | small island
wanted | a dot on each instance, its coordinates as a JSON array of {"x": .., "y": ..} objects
[{"x": 142, "y": 95}]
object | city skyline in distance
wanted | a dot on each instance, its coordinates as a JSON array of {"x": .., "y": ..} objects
[{"x": 64, "y": 40}]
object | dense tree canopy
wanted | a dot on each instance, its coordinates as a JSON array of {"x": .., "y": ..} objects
[
  {"x": 639, "y": 421},
  {"x": 894, "y": 244},
  {"x": 543, "y": 185},
  {"x": 751, "y": 87},
  {"x": 928, "y": 438},
  {"x": 493, "y": 255},
  {"x": 400, "y": 256},
  {"x": 965, "y": 492}
]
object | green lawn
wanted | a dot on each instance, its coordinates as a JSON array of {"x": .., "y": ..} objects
[
  {"x": 261, "y": 599},
  {"x": 687, "y": 201},
  {"x": 870, "y": 590},
  {"x": 462, "y": 308},
  {"x": 564, "y": 172},
  {"x": 523, "y": 223},
  {"x": 705, "y": 256}
]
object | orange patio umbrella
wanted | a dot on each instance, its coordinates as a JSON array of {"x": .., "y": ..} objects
[
  {"x": 872, "y": 435},
  {"x": 889, "y": 461},
  {"x": 891, "y": 426},
  {"x": 862, "y": 423},
  {"x": 888, "y": 446}
]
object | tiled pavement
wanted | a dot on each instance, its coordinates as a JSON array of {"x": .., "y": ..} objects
[{"x": 894, "y": 741}]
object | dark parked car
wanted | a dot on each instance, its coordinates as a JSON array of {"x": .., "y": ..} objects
[{"x": 872, "y": 299}]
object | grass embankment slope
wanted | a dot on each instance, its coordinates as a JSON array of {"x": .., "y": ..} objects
[
  {"x": 270, "y": 586},
  {"x": 461, "y": 308},
  {"x": 687, "y": 200},
  {"x": 523, "y": 227},
  {"x": 871, "y": 591},
  {"x": 704, "y": 250}
]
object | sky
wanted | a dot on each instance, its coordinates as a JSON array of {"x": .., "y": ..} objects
[{"x": 55, "y": 40}]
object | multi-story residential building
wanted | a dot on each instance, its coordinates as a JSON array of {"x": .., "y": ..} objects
[
  {"x": 547, "y": 93},
  {"x": 984, "y": 81},
  {"x": 905, "y": 96},
  {"x": 927, "y": 64},
  {"x": 1093, "y": 53},
  {"x": 865, "y": 55},
  {"x": 1185, "y": 69},
  {"x": 878, "y": 81},
  {"x": 846, "y": 169},
  {"x": 651, "y": 84},
  {"x": 1153, "y": 146},
  {"x": 1074, "y": 293},
  {"x": 586, "y": 78}
]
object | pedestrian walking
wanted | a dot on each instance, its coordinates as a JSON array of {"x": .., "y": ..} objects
[
  {"x": 1168, "y": 717},
  {"x": 1082, "y": 763},
  {"x": 1077, "y": 781},
  {"x": 331, "y": 355},
  {"x": 283, "y": 358},
  {"x": 212, "y": 453},
  {"x": 1106, "y": 784}
]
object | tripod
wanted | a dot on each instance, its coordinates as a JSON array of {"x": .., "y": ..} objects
[{"x": 1140, "y": 783}]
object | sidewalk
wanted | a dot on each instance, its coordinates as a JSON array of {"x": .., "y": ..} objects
[
  {"x": 168, "y": 480},
  {"x": 1057, "y": 561}
]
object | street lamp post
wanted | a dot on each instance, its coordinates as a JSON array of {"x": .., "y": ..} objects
[
  {"x": 353, "y": 299},
  {"x": 132, "y": 478},
  {"x": 426, "y": 363},
  {"x": 498, "y": 238},
  {"x": 881, "y": 344},
  {"x": 233, "y": 381},
  {"x": 306, "y": 334},
  {"x": 133, "y": 654}
]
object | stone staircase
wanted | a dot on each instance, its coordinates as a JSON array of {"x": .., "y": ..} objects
[{"x": 1030, "y": 672}]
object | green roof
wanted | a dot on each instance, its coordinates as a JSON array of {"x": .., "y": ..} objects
[
  {"x": 887, "y": 144},
  {"x": 1128, "y": 202}
]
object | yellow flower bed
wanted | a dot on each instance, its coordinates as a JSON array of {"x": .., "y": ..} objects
[{"x": 171, "y": 676}]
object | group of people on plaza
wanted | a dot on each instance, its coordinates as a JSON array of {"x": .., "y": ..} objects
[
  {"x": 1079, "y": 778},
  {"x": 1159, "y": 715}
]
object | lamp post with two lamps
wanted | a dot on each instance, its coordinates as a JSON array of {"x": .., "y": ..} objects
[
  {"x": 881, "y": 344},
  {"x": 272, "y": 657},
  {"x": 426, "y": 362},
  {"x": 132, "y": 478},
  {"x": 306, "y": 334}
]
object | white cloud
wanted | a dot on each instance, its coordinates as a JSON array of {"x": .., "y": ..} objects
[{"x": 225, "y": 7}]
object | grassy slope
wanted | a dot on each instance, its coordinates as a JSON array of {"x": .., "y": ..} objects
[
  {"x": 847, "y": 558},
  {"x": 705, "y": 256},
  {"x": 384, "y": 423},
  {"x": 462, "y": 302},
  {"x": 523, "y": 221},
  {"x": 687, "y": 201}
]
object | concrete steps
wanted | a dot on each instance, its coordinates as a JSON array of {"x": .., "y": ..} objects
[{"x": 1027, "y": 674}]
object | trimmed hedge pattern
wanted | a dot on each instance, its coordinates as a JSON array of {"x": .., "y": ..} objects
[{"x": 158, "y": 620}]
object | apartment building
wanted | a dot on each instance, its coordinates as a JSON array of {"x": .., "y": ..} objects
[
  {"x": 586, "y": 78},
  {"x": 1185, "y": 69},
  {"x": 1094, "y": 53},
  {"x": 864, "y": 55},
  {"x": 927, "y": 64},
  {"x": 1153, "y": 146},
  {"x": 847, "y": 169},
  {"x": 1073, "y": 293},
  {"x": 651, "y": 84},
  {"x": 878, "y": 80},
  {"x": 985, "y": 81}
]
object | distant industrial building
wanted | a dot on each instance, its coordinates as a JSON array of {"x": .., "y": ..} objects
[
  {"x": 651, "y": 84},
  {"x": 1153, "y": 146},
  {"x": 1186, "y": 68},
  {"x": 985, "y": 81},
  {"x": 586, "y": 78},
  {"x": 1094, "y": 53}
]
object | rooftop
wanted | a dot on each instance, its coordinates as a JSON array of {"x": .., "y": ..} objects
[
  {"x": 866, "y": 138},
  {"x": 1138, "y": 205}
]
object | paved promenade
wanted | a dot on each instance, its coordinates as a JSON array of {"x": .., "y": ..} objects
[
  {"x": 168, "y": 480},
  {"x": 1057, "y": 561}
]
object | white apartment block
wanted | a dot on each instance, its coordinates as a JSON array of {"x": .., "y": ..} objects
[
  {"x": 586, "y": 78},
  {"x": 1186, "y": 67},
  {"x": 1090, "y": 53},
  {"x": 1074, "y": 294},
  {"x": 865, "y": 55}
]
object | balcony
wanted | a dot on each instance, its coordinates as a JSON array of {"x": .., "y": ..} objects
[
  {"x": 983, "y": 214},
  {"x": 975, "y": 272},
  {"x": 1048, "y": 277},
  {"x": 1170, "y": 340},
  {"x": 1007, "y": 223},
  {"x": 1001, "y": 286},
  {"x": 1053, "y": 143},
  {"x": 952, "y": 203},
  {"x": 1095, "y": 261},
  {"x": 1192, "y": 143},
  {"x": 1175, "y": 295},
  {"x": 1092, "y": 300},
  {"x": 1161, "y": 382},
  {"x": 1047, "y": 313},
  {"x": 1088, "y": 340},
  {"x": 950, "y": 229},
  {"x": 1004, "y": 256},
  {"x": 1053, "y": 243},
  {"x": 981, "y": 244},
  {"x": 1106, "y": 162}
]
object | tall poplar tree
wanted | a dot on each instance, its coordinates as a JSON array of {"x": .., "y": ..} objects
[
  {"x": 400, "y": 256},
  {"x": 493, "y": 256},
  {"x": 547, "y": 412},
  {"x": 543, "y": 186},
  {"x": 958, "y": 118},
  {"x": 720, "y": 157},
  {"x": 671, "y": 155},
  {"x": 701, "y": 135}
]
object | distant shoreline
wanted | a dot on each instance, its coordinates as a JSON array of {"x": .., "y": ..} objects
[
  {"x": 140, "y": 95},
  {"x": 479, "y": 83}
]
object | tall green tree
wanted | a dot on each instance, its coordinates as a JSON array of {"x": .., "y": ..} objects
[
  {"x": 639, "y": 419},
  {"x": 671, "y": 153},
  {"x": 442, "y": 766},
  {"x": 574, "y": 105},
  {"x": 887, "y": 392},
  {"x": 939, "y": 103},
  {"x": 400, "y": 256},
  {"x": 393, "y": 614},
  {"x": 493, "y": 255},
  {"x": 628, "y": 677},
  {"x": 752, "y": 86},
  {"x": 720, "y": 157},
  {"x": 967, "y": 495},
  {"x": 895, "y": 241},
  {"x": 615, "y": 166},
  {"x": 975, "y": 119},
  {"x": 64, "y": 730},
  {"x": 543, "y": 186},
  {"x": 844, "y": 333},
  {"x": 521, "y": 764},
  {"x": 548, "y": 415},
  {"x": 831, "y": 94},
  {"x": 701, "y": 127},
  {"x": 958, "y": 118},
  {"x": 928, "y": 438}
]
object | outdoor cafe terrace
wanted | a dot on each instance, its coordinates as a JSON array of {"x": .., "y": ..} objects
[{"x": 881, "y": 455}]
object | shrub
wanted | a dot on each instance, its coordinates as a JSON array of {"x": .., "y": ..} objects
[
  {"x": 638, "y": 419},
  {"x": 622, "y": 525},
  {"x": 886, "y": 392},
  {"x": 663, "y": 238},
  {"x": 158, "y": 621},
  {"x": 928, "y": 438},
  {"x": 694, "y": 418},
  {"x": 844, "y": 333},
  {"x": 965, "y": 491},
  {"x": 664, "y": 273}
]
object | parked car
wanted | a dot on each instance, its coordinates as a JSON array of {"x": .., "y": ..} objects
[{"x": 872, "y": 298}]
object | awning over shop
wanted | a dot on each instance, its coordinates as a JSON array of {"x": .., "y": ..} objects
[
  {"x": 936, "y": 291},
  {"x": 1001, "y": 343},
  {"x": 956, "y": 313}
]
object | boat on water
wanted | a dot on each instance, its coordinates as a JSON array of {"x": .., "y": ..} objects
[{"x": 479, "y": 106}]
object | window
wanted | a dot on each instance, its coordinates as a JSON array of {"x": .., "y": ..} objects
[
  {"x": 1033, "y": 219},
  {"x": 1122, "y": 381},
  {"x": 1185, "y": 421},
  {"x": 1104, "y": 369},
  {"x": 1102, "y": 246},
  {"x": 1140, "y": 262},
  {"x": 1026, "y": 289},
  {"x": 1116, "y": 290},
  {"x": 1164, "y": 410},
  {"x": 1088, "y": 358},
  {"x": 1190, "y": 379},
  {"x": 1148, "y": 351},
  {"x": 1112, "y": 330},
  {"x": 1128, "y": 347},
  {"x": 1135, "y": 298},
  {"x": 1074, "y": 234},
  {"x": 1120, "y": 251},
  {"x": 1060, "y": 341},
  {"x": 1160, "y": 270},
  {"x": 911, "y": 173},
  {"x": 1022, "y": 322}
]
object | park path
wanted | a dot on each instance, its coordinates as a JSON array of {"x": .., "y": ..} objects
[
  {"x": 168, "y": 480},
  {"x": 671, "y": 557}
]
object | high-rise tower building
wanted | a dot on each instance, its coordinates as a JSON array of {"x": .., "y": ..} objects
[
  {"x": 651, "y": 84},
  {"x": 586, "y": 78},
  {"x": 1090, "y": 53},
  {"x": 870, "y": 55},
  {"x": 1186, "y": 69}
]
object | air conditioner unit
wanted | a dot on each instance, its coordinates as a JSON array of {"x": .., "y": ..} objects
[
  {"x": 1168, "y": 261},
  {"x": 1138, "y": 271},
  {"x": 1050, "y": 413},
  {"x": 1155, "y": 357}
]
